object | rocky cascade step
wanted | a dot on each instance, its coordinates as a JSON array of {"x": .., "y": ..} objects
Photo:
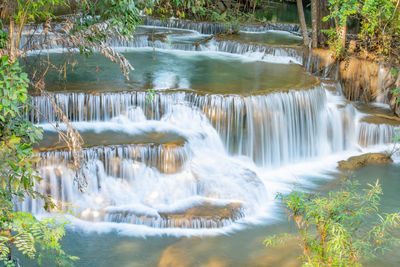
[
  {"x": 214, "y": 28},
  {"x": 200, "y": 217},
  {"x": 166, "y": 158}
]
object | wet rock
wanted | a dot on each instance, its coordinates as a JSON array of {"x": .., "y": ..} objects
[
  {"x": 172, "y": 158},
  {"x": 363, "y": 160},
  {"x": 395, "y": 98},
  {"x": 205, "y": 212},
  {"x": 381, "y": 119},
  {"x": 362, "y": 78},
  {"x": 166, "y": 157},
  {"x": 206, "y": 215}
]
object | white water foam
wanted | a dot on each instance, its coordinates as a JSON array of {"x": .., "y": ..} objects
[
  {"x": 268, "y": 144},
  {"x": 210, "y": 175}
]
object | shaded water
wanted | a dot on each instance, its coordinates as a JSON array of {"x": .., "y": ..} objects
[{"x": 282, "y": 12}]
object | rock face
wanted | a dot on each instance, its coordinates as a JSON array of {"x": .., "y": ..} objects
[
  {"x": 363, "y": 160},
  {"x": 362, "y": 79},
  {"x": 395, "y": 99},
  {"x": 365, "y": 80}
]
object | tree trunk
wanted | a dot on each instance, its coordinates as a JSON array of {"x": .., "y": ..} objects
[
  {"x": 314, "y": 18},
  {"x": 303, "y": 22},
  {"x": 12, "y": 42},
  {"x": 341, "y": 31},
  {"x": 322, "y": 12}
]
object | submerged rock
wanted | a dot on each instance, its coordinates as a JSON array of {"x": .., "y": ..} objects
[{"x": 363, "y": 160}]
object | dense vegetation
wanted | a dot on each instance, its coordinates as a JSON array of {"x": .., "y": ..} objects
[
  {"x": 379, "y": 22},
  {"x": 340, "y": 229},
  {"x": 20, "y": 230},
  {"x": 229, "y": 12}
]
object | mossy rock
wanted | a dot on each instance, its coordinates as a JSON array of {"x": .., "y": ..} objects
[{"x": 363, "y": 160}]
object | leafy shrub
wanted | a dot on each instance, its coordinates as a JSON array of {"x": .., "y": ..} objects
[
  {"x": 339, "y": 229},
  {"x": 20, "y": 230}
]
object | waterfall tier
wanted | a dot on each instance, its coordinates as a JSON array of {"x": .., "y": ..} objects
[
  {"x": 209, "y": 147},
  {"x": 273, "y": 129},
  {"x": 214, "y": 28},
  {"x": 210, "y": 177},
  {"x": 166, "y": 158}
]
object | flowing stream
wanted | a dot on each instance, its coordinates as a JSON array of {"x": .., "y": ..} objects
[{"x": 228, "y": 125}]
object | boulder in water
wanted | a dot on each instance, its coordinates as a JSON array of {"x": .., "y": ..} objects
[
  {"x": 363, "y": 160},
  {"x": 206, "y": 212}
]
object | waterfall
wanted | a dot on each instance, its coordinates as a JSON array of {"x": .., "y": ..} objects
[
  {"x": 264, "y": 52},
  {"x": 273, "y": 129},
  {"x": 188, "y": 159},
  {"x": 167, "y": 158},
  {"x": 215, "y": 27},
  {"x": 260, "y": 51},
  {"x": 279, "y": 128},
  {"x": 201, "y": 27},
  {"x": 176, "y": 39},
  {"x": 158, "y": 185},
  {"x": 370, "y": 134},
  {"x": 214, "y": 171}
]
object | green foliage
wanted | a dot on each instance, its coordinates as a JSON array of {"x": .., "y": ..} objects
[
  {"x": 396, "y": 92},
  {"x": 151, "y": 94},
  {"x": 99, "y": 20},
  {"x": 93, "y": 21},
  {"x": 88, "y": 29},
  {"x": 334, "y": 42},
  {"x": 199, "y": 10},
  {"x": 20, "y": 230},
  {"x": 3, "y": 36},
  {"x": 122, "y": 16},
  {"x": 34, "y": 238},
  {"x": 380, "y": 25},
  {"x": 31, "y": 11},
  {"x": 339, "y": 229},
  {"x": 342, "y": 10},
  {"x": 16, "y": 133}
]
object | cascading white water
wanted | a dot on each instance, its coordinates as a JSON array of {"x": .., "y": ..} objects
[
  {"x": 170, "y": 185},
  {"x": 181, "y": 40},
  {"x": 370, "y": 134},
  {"x": 215, "y": 177},
  {"x": 260, "y": 51},
  {"x": 279, "y": 128},
  {"x": 214, "y": 28},
  {"x": 141, "y": 185},
  {"x": 273, "y": 129}
]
